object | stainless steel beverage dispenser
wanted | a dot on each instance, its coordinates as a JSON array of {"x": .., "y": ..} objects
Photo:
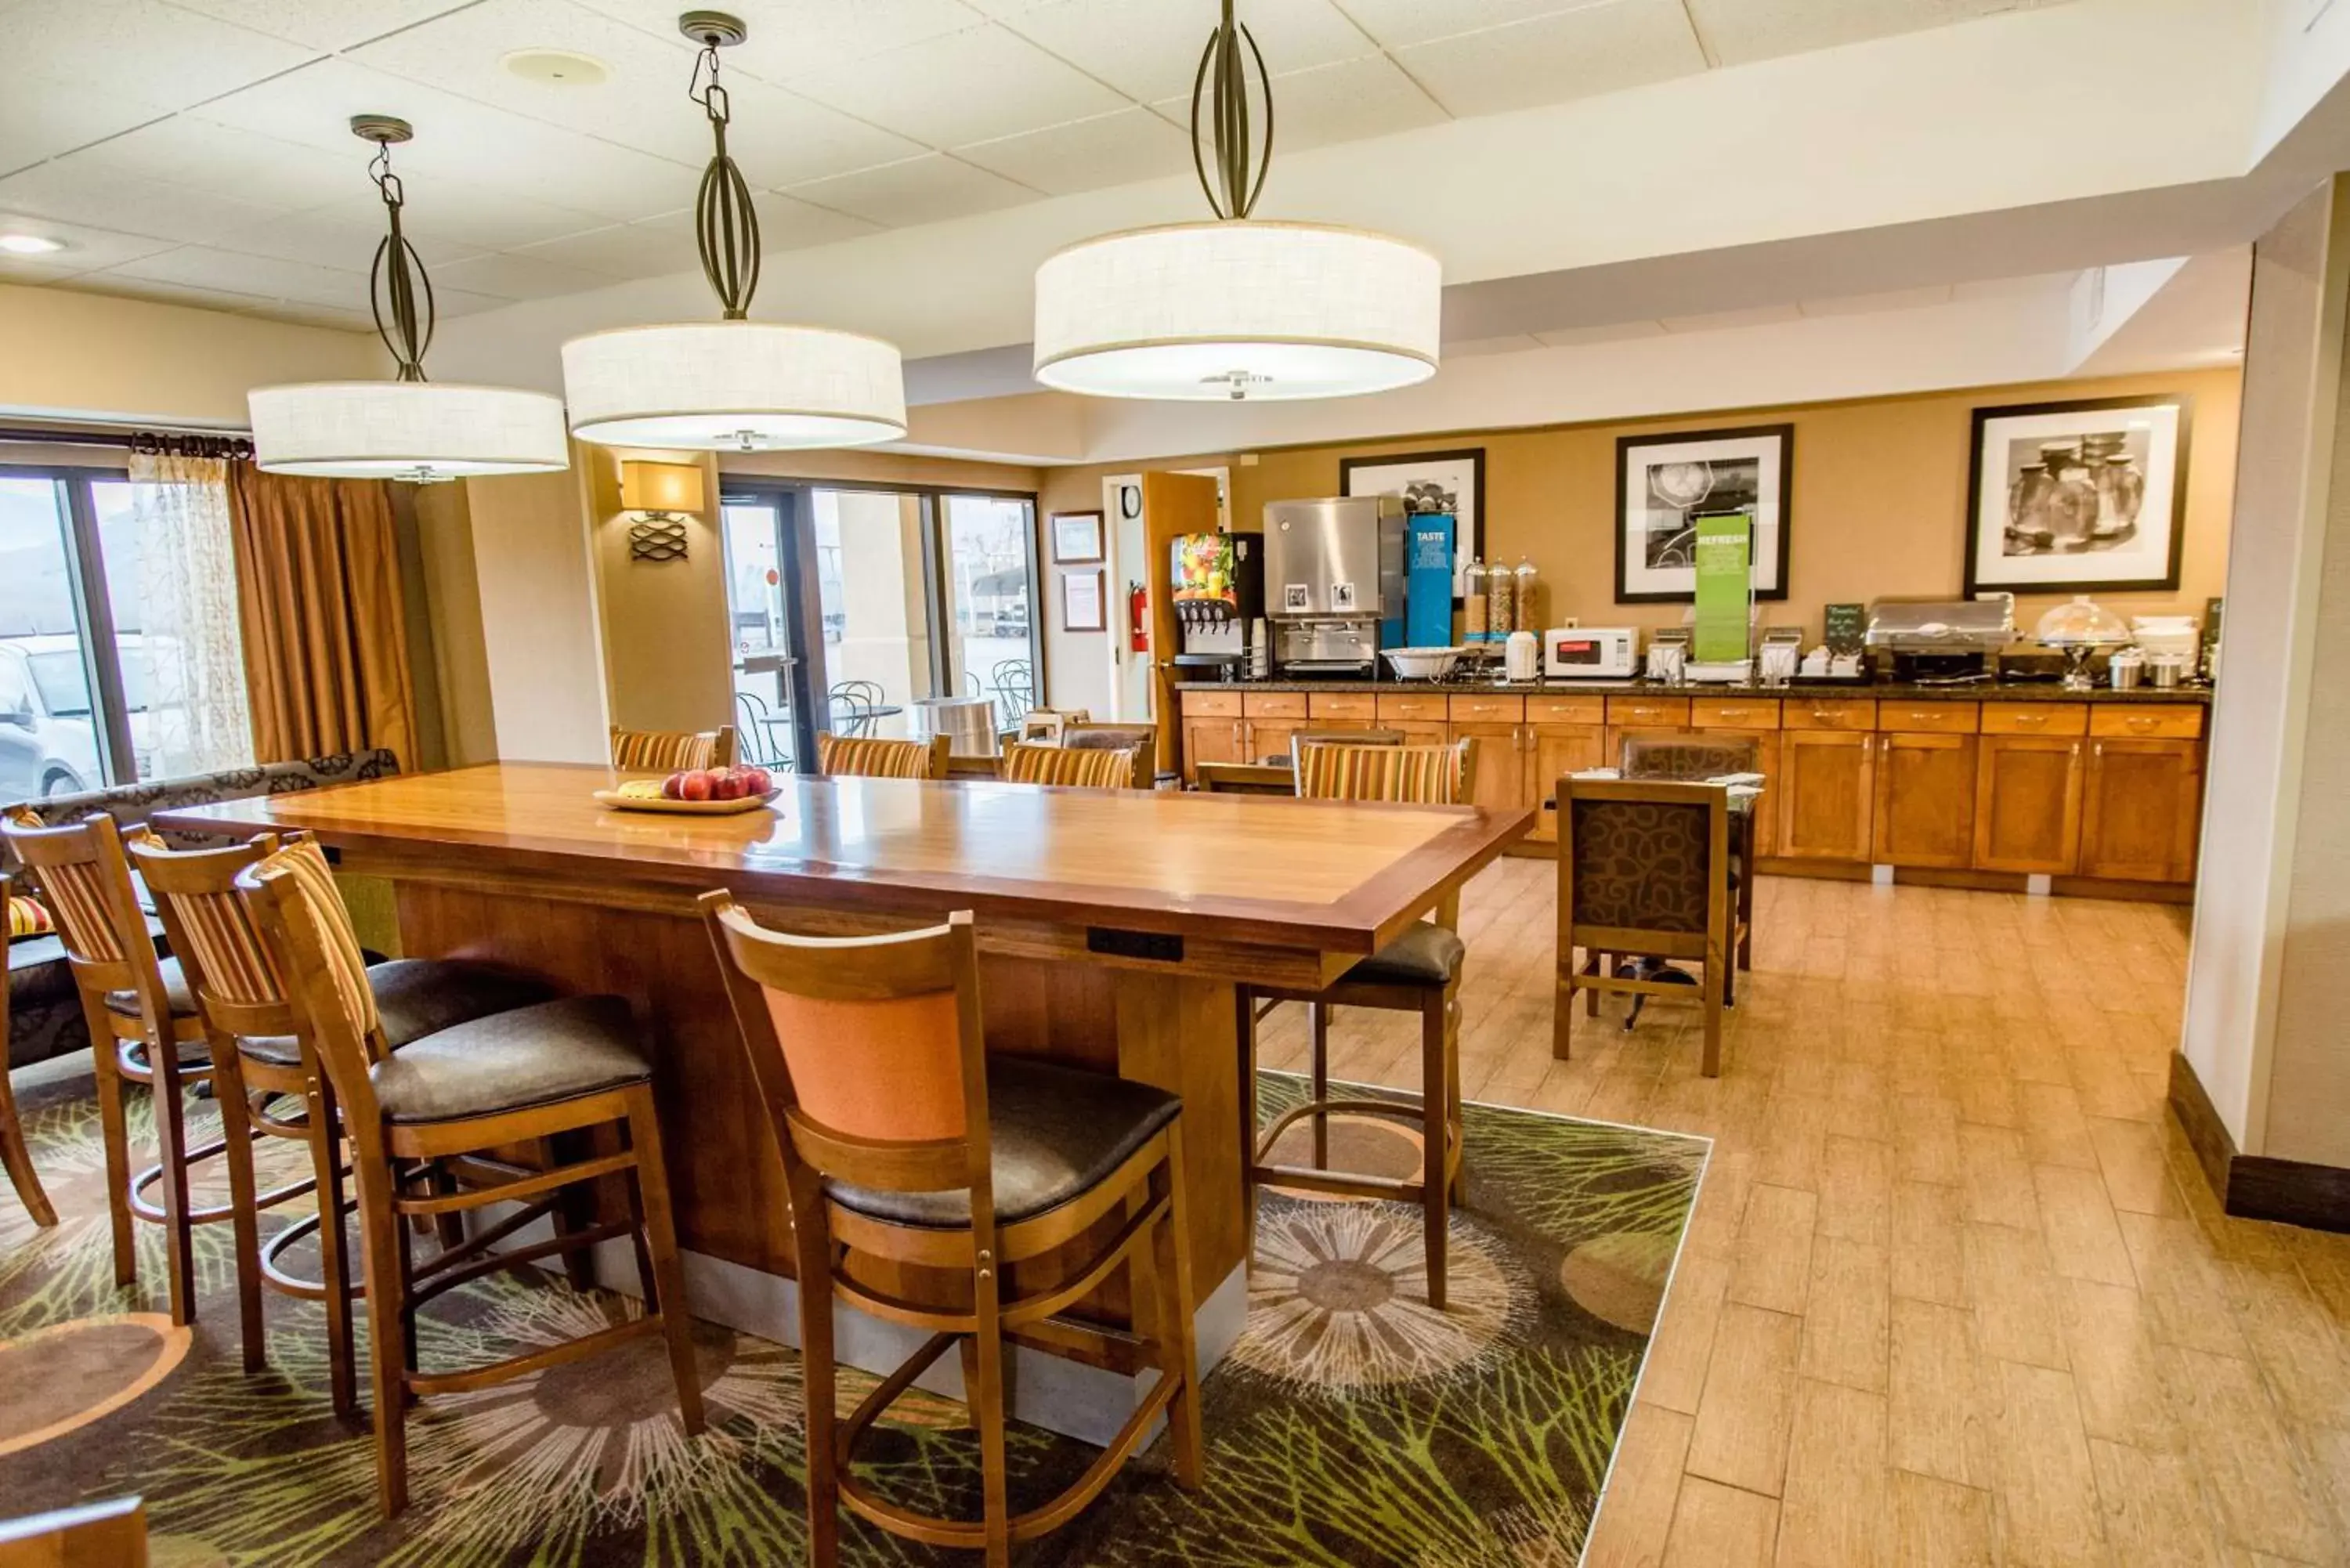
[{"x": 1332, "y": 568}]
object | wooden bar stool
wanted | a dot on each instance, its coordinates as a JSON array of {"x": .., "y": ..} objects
[
  {"x": 14, "y": 1153},
  {"x": 906, "y": 1147},
  {"x": 862, "y": 756},
  {"x": 1069, "y": 767},
  {"x": 143, "y": 1029},
  {"x": 1419, "y": 971},
  {"x": 225, "y": 968},
  {"x": 559, "y": 1068},
  {"x": 673, "y": 751}
]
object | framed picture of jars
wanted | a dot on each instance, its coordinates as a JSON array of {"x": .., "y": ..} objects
[
  {"x": 2078, "y": 497},
  {"x": 1450, "y": 483},
  {"x": 1665, "y": 483}
]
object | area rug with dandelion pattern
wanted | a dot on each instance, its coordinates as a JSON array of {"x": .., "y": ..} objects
[{"x": 1350, "y": 1425}]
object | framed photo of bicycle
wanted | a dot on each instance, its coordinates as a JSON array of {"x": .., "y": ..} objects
[{"x": 1664, "y": 482}]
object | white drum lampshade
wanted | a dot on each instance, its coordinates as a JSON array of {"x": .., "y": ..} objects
[
  {"x": 1238, "y": 308},
  {"x": 421, "y": 431},
  {"x": 734, "y": 386}
]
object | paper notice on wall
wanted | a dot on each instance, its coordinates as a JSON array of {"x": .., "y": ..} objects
[
  {"x": 1342, "y": 596},
  {"x": 1296, "y": 599},
  {"x": 1725, "y": 587}
]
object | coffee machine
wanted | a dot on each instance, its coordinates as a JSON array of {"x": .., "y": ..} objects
[
  {"x": 1333, "y": 569},
  {"x": 1217, "y": 583}
]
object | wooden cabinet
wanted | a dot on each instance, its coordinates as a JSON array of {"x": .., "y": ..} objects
[
  {"x": 1499, "y": 778},
  {"x": 1269, "y": 720},
  {"x": 1555, "y": 751},
  {"x": 2140, "y": 809},
  {"x": 2027, "y": 801},
  {"x": 1925, "y": 799},
  {"x": 1212, "y": 730},
  {"x": 1422, "y": 719},
  {"x": 1827, "y": 793}
]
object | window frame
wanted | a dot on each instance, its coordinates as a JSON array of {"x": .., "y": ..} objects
[{"x": 101, "y": 654}]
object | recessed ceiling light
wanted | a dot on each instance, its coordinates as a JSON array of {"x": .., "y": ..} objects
[
  {"x": 29, "y": 244},
  {"x": 556, "y": 67}
]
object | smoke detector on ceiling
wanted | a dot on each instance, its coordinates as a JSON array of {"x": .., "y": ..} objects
[{"x": 556, "y": 67}]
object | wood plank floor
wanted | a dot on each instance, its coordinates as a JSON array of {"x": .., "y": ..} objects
[{"x": 1955, "y": 1291}]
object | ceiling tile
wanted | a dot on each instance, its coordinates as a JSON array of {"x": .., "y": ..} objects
[
  {"x": 25, "y": 269},
  {"x": 41, "y": 118},
  {"x": 516, "y": 275},
  {"x": 199, "y": 155},
  {"x": 649, "y": 249},
  {"x": 1738, "y": 31},
  {"x": 87, "y": 248},
  {"x": 301, "y": 315},
  {"x": 1345, "y": 102},
  {"x": 963, "y": 87},
  {"x": 344, "y": 235},
  {"x": 122, "y": 203},
  {"x": 1551, "y": 60},
  {"x": 927, "y": 190},
  {"x": 1731, "y": 321},
  {"x": 792, "y": 37},
  {"x": 1396, "y": 23},
  {"x": 323, "y": 23},
  {"x": 1088, "y": 154},
  {"x": 139, "y": 49},
  {"x": 1151, "y": 49},
  {"x": 164, "y": 292},
  {"x": 203, "y": 266}
]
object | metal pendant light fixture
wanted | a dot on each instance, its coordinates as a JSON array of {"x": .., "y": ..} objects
[
  {"x": 734, "y": 384},
  {"x": 1236, "y": 307},
  {"x": 408, "y": 428}
]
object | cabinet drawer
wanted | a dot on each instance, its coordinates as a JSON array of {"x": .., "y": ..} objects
[
  {"x": 1734, "y": 713},
  {"x": 1211, "y": 704},
  {"x": 1274, "y": 705},
  {"x": 1488, "y": 710},
  {"x": 1673, "y": 711},
  {"x": 1341, "y": 705},
  {"x": 1928, "y": 718},
  {"x": 1421, "y": 706},
  {"x": 1566, "y": 709},
  {"x": 1829, "y": 713},
  {"x": 2035, "y": 717},
  {"x": 2179, "y": 722}
]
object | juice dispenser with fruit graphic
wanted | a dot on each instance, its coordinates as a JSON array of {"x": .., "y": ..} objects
[{"x": 1218, "y": 583}]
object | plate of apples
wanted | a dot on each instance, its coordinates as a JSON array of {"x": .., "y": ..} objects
[{"x": 695, "y": 792}]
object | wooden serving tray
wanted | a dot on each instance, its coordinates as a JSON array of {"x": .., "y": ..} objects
[{"x": 616, "y": 801}]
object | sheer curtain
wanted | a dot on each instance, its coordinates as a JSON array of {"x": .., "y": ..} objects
[{"x": 185, "y": 676}]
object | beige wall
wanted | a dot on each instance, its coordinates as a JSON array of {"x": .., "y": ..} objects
[
  {"x": 667, "y": 651},
  {"x": 542, "y": 646},
  {"x": 886, "y": 468},
  {"x": 1877, "y": 503},
  {"x": 98, "y": 356}
]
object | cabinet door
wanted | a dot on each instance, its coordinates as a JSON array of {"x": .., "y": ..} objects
[
  {"x": 1498, "y": 778},
  {"x": 2139, "y": 811},
  {"x": 1827, "y": 794},
  {"x": 2028, "y": 804},
  {"x": 1211, "y": 739},
  {"x": 1267, "y": 738},
  {"x": 1556, "y": 751},
  {"x": 1925, "y": 800}
]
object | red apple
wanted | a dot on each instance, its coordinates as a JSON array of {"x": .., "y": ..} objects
[
  {"x": 760, "y": 781},
  {"x": 672, "y": 785},
  {"x": 694, "y": 785},
  {"x": 726, "y": 785}
]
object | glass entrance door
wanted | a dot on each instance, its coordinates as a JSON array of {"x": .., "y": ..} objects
[
  {"x": 758, "y": 604},
  {"x": 989, "y": 585}
]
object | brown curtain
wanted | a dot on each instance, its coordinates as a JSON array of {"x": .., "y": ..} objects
[{"x": 325, "y": 645}]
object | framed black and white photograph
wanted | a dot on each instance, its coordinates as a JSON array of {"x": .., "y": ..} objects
[
  {"x": 2078, "y": 497},
  {"x": 1664, "y": 482},
  {"x": 1082, "y": 606},
  {"x": 1076, "y": 537},
  {"x": 1438, "y": 481}
]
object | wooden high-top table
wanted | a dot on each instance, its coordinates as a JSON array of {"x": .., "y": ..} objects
[{"x": 1114, "y": 926}]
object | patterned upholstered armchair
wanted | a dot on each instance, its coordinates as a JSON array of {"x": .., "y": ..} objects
[{"x": 1644, "y": 867}]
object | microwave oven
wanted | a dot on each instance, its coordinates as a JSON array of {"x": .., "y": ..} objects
[{"x": 1591, "y": 653}]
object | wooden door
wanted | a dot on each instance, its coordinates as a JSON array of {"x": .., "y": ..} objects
[
  {"x": 2028, "y": 804},
  {"x": 1827, "y": 794},
  {"x": 1925, "y": 800},
  {"x": 1498, "y": 778},
  {"x": 1212, "y": 738},
  {"x": 1552, "y": 751},
  {"x": 2140, "y": 810}
]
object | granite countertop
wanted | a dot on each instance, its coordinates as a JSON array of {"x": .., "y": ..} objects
[{"x": 1882, "y": 691}]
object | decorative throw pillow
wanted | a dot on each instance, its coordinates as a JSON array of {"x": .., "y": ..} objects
[{"x": 28, "y": 919}]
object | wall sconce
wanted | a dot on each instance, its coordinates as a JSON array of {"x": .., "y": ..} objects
[{"x": 661, "y": 492}]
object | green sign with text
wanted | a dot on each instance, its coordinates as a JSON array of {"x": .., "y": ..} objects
[{"x": 1725, "y": 578}]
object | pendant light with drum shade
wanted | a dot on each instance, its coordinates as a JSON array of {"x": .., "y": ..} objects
[
  {"x": 408, "y": 428},
  {"x": 1236, "y": 307},
  {"x": 734, "y": 384}
]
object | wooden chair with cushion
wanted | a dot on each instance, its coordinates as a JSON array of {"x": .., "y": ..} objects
[
  {"x": 1419, "y": 971},
  {"x": 673, "y": 751},
  {"x": 1692, "y": 758},
  {"x": 1142, "y": 740},
  {"x": 909, "y": 1149},
  {"x": 14, "y": 1152},
  {"x": 861, "y": 756},
  {"x": 225, "y": 968},
  {"x": 567, "y": 1067},
  {"x": 1027, "y": 764},
  {"x": 1644, "y": 867}
]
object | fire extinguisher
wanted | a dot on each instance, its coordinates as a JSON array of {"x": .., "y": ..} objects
[{"x": 1138, "y": 618}]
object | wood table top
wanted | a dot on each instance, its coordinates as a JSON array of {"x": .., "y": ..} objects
[{"x": 1332, "y": 876}]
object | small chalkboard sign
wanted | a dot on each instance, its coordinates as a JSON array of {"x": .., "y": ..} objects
[{"x": 1847, "y": 626}]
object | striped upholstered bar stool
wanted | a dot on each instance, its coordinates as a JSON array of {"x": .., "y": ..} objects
[
  {"x": 1072, "y": 768},
  {"x": 673, "y": 751},
  {"x": 862, "y": 756},
  {"x": 572, "y": 1067},
  {"x": 1419, "y": 971},
  {"x": 15, "y": 1153},
  {"x": 225, "y": 970}
]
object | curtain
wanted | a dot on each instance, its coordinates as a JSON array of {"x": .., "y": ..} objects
[
  {"x": 184, "y": 676},
  {"x": 325, "y": 647}
]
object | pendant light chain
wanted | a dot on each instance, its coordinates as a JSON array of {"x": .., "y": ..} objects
[
  {"x": 726, "y": 224},
  {"x": 1221, "y": 84},
  {"x": 398, "y": 280}
]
